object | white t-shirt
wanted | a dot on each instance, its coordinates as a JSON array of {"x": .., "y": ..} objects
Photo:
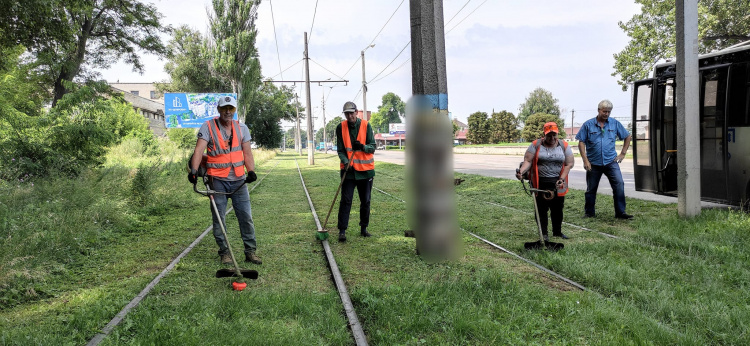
[{"x": 204, "y": 134}]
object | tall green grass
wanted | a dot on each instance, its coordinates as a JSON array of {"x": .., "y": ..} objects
[{"x": 667, "y": 281}]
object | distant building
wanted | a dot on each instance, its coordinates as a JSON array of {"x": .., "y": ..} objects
[
  {"x": 144, "y": 90},
  {"x": 151, "y": 109},
  {"x": 359, "y": 114}
]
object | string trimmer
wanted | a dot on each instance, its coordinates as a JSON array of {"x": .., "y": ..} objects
[
  {"x": 226, "y": 272},
  {"x": 541, "y": 243}
]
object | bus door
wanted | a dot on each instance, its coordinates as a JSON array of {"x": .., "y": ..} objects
[
  {"x": 643, "y": 169},
  {"x": 665, "y": 136},
  {"x": 713, "y": 98}
]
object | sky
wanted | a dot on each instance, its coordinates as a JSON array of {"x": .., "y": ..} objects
[{"x": 497, "y": 51}]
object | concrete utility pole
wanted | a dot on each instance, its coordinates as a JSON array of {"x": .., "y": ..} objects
[
  {"x": 310, "y": 134},
  {"x": 325, "y": 145},
  {"x": 572, "y": 121},
  {"x": 688, "y": 131},
  {"x": 429, "y": 151},
  {"x": 298, "y": 138},
  {"x": 364, "y": 85}
]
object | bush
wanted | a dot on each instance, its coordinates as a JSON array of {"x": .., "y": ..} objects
[
  {"x": 184, "y": 138},
  {"x": 71, "y": 136}
]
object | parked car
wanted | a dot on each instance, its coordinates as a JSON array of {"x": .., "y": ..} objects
[{"x": 382, "y": 147}]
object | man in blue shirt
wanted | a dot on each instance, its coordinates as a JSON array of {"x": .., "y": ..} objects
[{"x": 596, "y": 143}]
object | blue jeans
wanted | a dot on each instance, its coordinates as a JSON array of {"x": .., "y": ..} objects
[
  {"x": 612, "y": 171},
  {"x": 241, "y": 205}
]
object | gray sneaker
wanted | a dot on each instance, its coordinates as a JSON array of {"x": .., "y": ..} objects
[
  {"x": 252, "y": 257},
  {"x": 226, "y": 259}
]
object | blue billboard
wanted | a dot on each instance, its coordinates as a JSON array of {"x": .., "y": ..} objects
[{"x": 191, "y": 110}]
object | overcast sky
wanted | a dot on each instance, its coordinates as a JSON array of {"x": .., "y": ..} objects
[{"x": 497, "y": 51}]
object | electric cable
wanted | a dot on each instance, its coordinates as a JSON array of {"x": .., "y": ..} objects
[
  {"x": 467, "y": 16},
  {"x": 313, "y": 22},
  {"x": 276, "y": 40}
]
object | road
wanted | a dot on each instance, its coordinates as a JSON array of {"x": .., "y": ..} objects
[{"x": 504, "y": 166}]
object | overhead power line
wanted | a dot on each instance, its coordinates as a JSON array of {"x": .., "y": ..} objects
[
  {"x": 278, "y": 56},
  {"x": 394, "y": 59},
  {"x": 316, "y": 63},
  {"x": 459, "y": 11},
  {"x": 386, "y": 22},
  {"x": 467, "y": 16},
  {"x": 313, "y": 22},
  {"x": 298, "y": 61}
]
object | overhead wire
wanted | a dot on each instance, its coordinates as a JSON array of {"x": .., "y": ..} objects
[
  {"x": 292, "y": 65},
  {"x": 278, "y": 56},
  {"x": 316, "y": 63},
  {"x": 459, "y": 11},
  {"x": 375, "y": 79},
  {"x": 467, "y": 16},
  {"x": 313, "y": 22},
  {"x": 394, "y": 59}
]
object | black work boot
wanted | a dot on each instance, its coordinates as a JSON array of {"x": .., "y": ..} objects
[
  {"x": 364, "y": 232},
  {"x": 342, "y": 235},
  {"x": 226, "y": 259},
  {"x": 252, "y": 257}
]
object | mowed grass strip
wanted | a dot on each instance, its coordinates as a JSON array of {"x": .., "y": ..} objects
[
  {"x": 483, "y": 297},
  {"x": 292, "y": 302},
  {"x": 690, "y": 277}
]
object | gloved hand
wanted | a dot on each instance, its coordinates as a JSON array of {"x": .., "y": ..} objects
[
  {"x": 192, "y": 177},
  {"x": 251, "y": 177},
  {"x": 358, "y": 146}
]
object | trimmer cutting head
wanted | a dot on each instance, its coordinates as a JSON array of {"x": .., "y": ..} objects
[
  {"x": 246, "y": 273},
  {"x": 539, "y": 245}
]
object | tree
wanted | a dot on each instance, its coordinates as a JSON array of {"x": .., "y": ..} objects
[
  {"x": 539, "y": 101},
  {"x": 189, "y": 65},
  {"x": 534, "y": 126},
  {"x": 330, "y": 130},
  {"x": 503, "y": 127},
  {"x": 721, "y": 23},
  {"x": 235, "y": 57},
  {"x": 390, "y": 111},
  {"x": 271, "y": 105},
  {"x": 87, "y": 34},
  {"x": 290, "y": 137},
  {"x": 479, "y": 132}
]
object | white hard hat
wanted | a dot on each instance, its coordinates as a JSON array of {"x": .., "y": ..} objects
[{"x": 227, "y": 101}]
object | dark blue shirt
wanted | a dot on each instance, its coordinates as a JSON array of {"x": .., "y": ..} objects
[{"x": 600, "y": 141}]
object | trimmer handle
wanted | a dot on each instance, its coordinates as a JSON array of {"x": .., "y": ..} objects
[{"x": 211, "y": 192}]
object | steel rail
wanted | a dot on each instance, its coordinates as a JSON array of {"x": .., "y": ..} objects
[
  {"x": 99, "y": 337},
  {"x": 538, "y": 266},
  {"x": 356, "y": 327}
]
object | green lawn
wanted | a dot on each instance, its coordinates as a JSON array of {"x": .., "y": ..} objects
[{"x": 74, "y": 252}]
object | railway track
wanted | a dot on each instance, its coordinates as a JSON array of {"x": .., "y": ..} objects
[
  {"x": 99, "y": 337},
  {"x": 354, "y": 325}
]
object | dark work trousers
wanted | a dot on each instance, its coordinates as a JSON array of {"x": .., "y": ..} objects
[
  {"x": 555, "y": 206},
  {"x": 364, "y": 189}
]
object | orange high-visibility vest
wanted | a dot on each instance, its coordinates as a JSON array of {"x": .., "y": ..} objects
[
  {"x": 361, "y": 161},
  {"x": 222, "y": 157},
  {"x": 534, "y": 171}
]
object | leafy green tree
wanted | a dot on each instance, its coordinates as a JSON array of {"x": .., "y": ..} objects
[
  {"x": 330, "y": 130},
  {"x": 189, "y": 65},
  {"x": 290, "y": 137},
  {"x": 479, "y": 128},
  {"x": 534, "y": 126},
  {"x": 390, "y": 111},
  {"x": 235, "y": 57},
  {"x": 539, "y": 101},
  {"x": 271, "y": 105},
  {"x": 86, "y": 34},
  {"x": 721, "y": 23},
  {"x": 503, "y": 127}
]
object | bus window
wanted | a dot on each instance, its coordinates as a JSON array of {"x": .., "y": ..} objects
[{"x": 643, "y": 114}]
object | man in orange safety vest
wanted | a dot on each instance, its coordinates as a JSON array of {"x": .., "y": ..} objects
[{"x": 355, "y": 146}]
